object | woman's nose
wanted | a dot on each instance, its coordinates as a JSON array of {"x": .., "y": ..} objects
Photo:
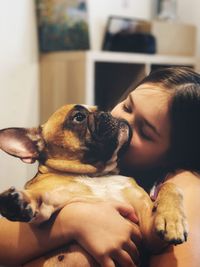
[{"x": 130, "y": 119}]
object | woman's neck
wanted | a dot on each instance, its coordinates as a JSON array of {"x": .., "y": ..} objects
[{"x": 147, "y": 178}]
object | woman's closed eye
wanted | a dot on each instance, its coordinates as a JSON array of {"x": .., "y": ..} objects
[
  {"x": 128, "y": 105},
  {"x": 126, "y": 108},
  {"x": 143, "y": 131},
  {"x": 143, "y": 134}
]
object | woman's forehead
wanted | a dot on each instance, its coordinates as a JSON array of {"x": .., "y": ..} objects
[
  {"x": 153, "y": 87},
  {"x": 153, "y": 105},
  {"x": 153, "y": 93}
]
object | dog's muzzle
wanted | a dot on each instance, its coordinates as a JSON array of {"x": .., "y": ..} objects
[
  {"x": 106, "y": 129},
  {"x": 102, "y": 125}
]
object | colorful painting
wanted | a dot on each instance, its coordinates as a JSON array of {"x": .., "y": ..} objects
[{"x": 62, "y": 25}]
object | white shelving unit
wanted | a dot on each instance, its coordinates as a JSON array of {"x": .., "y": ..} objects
[{"x": 95, "y": 77}]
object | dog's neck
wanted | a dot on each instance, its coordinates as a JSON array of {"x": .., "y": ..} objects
[{"x": 76, "y": 168}]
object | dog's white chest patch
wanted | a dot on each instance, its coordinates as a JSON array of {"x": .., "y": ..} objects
[{"x": 107, "y": 187}]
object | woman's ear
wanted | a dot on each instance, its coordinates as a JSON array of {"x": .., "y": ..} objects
[{"x": 23, "y": 143}]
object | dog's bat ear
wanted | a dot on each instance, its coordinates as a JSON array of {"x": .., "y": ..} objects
[{"x": 23, "y": 143}]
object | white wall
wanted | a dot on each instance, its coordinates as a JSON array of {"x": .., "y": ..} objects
[
  {"x": 99, "y": 10},
  {"x": 18, "y": 80},
  {"x": 189, "y": 12}
]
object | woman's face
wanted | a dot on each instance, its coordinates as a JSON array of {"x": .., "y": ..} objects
[{"x": 146, "y": 109}]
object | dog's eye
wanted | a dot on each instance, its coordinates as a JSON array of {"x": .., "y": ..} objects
[{"x": 79, "y": 117}]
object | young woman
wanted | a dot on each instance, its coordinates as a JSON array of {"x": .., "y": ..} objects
[{"x": 164, "y": 112}]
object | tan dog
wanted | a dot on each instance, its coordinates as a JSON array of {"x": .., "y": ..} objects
[{"x": 75, "y": 144}]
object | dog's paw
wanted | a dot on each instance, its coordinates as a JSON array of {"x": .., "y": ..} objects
[
  {"x": 170, "y": 223},
  {"x": 14, "y": 206}
]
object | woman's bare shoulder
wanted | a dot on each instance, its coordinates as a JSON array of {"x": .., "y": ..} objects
[{"x": 186, "y": 180}]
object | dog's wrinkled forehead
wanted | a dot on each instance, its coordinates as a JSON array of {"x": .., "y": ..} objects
[{"x": 60, "y": 119}]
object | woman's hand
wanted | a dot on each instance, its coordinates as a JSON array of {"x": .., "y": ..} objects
[{"x": 103, "y": 231}]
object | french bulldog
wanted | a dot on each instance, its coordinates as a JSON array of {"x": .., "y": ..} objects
[{"x": 78, "y": 150}]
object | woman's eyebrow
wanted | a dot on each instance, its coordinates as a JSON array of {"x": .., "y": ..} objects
[{"x": 150, "y": 125}]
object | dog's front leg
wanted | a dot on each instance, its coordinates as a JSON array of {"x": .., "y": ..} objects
[
  {"x": 16, "y": 205},
  {"x": 25, "y": 206},
  {"x": 170, "y": 219}
]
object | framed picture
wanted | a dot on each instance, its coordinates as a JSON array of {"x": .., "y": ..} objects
[{"x": 62, "y": 25}]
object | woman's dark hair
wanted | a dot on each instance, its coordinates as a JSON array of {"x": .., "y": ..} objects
[{"x": 184, "y": 86}]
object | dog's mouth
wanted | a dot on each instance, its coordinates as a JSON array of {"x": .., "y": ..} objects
[{"x": 108, "y": 136}]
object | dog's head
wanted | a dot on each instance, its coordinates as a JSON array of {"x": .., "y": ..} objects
[{"x": 76, "y": 138}]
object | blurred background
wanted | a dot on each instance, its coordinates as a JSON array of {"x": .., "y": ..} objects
[{"x": 71, "y": 51}]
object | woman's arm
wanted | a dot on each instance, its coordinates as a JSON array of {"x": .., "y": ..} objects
[
  {"x": 21, "y": 242},
  {"x": 186, "y": 254},
  {"x": 98, "y": 227}
]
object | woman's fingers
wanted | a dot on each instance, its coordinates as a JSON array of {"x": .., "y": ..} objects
[
  {"x": 126, "y": 210},
  {"x": 136, "y": 235},
  {"x": 132, "y": 250},
  {"x": 108, "y": 262},
  {"x": 127, "y": 256},
  {"x": 123, "y": 259}
]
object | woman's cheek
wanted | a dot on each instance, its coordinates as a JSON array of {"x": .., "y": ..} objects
[
  {"x": 136, "y": 141},
  {"x": 141, "y": 148}
]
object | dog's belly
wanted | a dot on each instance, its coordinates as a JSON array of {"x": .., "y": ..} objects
[
  {"x": 64, "y": 190},
  {"x": 55, "y": 191},
  {"x": 110, "y": 187}
]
